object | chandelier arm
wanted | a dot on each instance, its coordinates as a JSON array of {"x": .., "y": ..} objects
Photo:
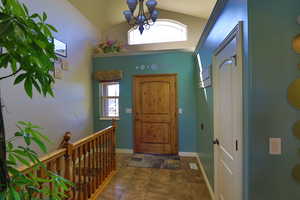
[
  {"x": 141, "y": 8},
  {"x": 142, "y": 20}
]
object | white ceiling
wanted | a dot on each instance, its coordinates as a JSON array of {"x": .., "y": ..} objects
[{"x": 106, "y": 13}]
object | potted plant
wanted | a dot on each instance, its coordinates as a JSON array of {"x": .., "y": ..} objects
[
  {"x": 110, "y": 46},
  {"x": 29, "y": 54}
]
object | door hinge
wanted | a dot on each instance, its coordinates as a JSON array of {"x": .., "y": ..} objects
[{"x": 236, "y": 145}]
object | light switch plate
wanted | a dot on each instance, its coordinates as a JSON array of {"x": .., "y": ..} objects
[
  {"x": 275, "y": 146},
  {"x": 128, "y": 110},
  {"x": 180, "y": 110}
]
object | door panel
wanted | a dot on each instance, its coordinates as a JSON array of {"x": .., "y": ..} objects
[
  {"x": 155, "y": 97},
  {"x": 155, "y": 116},
  {"x": 228, "y": 115}
]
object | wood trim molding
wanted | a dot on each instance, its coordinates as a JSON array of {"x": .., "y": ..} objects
[
  {"x": 209, "y": 186},
  {"x": 211, "y": 22}
]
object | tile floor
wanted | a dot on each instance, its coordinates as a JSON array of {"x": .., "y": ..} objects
[{"x": 156, "y": 184}]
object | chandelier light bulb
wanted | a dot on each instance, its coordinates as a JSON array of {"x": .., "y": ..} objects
[
  {"x": 151, "y": 4},
  {"x": 128, "y": 15},
  {"x": 141, "y": 19},
  {"x": 132, "y": 4},
  {"x": 154, "y": 15}
]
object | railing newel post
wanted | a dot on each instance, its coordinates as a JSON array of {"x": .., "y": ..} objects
[{"x": 69, "y": 150}]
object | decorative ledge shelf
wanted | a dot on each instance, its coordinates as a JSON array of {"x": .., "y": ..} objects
[{"x": 102, "y": 55}]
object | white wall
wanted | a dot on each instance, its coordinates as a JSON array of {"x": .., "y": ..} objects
[{"x": 71, "y": 109}]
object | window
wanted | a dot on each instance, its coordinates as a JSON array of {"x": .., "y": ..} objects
[
  {"x": 110, "y": 92},
  {"x": 161, "y": 31}
]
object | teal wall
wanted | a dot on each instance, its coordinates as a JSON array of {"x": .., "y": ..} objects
[
  {"x": 272, "y": 25},
  {"x": 234, "y": 11},
  {"x": 270, "y": 66},
  {"x": 181, "y": 63}
]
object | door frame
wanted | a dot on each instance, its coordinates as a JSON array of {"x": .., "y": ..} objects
[
  {"x": 176, "y": 108},
  {"x": 237, "y": 33}
]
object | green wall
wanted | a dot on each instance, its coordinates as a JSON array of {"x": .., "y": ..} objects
[
  {"x": 274, "y": 66},
  {"x": 234, "y": 11},
  {"x": 181, "y": 63}
]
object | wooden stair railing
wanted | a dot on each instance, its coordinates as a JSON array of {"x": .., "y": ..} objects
[{"x": 89, "y": 163}]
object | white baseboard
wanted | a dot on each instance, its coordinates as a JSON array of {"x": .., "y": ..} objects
[
  {"x": 211, "y": 192},
  {"x": 182, "y": 154},
  {"x": 188, "y": 154},
  {"x": 124, "y": 151}
]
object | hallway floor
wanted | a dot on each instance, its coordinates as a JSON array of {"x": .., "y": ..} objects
[{"x": 156, "y": 184}]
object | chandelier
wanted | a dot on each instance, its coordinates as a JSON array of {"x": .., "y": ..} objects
[{"x": 142, "y": 21}]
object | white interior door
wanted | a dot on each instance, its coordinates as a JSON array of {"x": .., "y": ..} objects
[{"x": 228, "y": 118}]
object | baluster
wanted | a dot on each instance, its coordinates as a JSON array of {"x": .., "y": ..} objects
[
  {"x": 93, "y": 175},
  {"x": 97, "y": 171},
  {"x": 40, "y": 175},
  {"x": 114, "y": 144},
  {"x": 74, "y": 175},
  {"x": 89, "y": 170},
  {"x": 50, "y": 168},
  {"x": 84, "y": 172},
  {"x": 102, "y": 158},
  {"x": 79, "y": 173},
  {"x": 110, "y": 152},
  {"x": 58, "y": 168},
  {"x": 106, "y": 154}
]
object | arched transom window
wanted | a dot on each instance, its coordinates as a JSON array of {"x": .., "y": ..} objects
[{"x": 162, "y": 31}]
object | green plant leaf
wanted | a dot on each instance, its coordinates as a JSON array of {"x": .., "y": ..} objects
[
  {"x": 52, "y": 28},
  {"x": 28, "y": 86},
  {"x": 14, "y": 194},
  {"x": 41, "y": 145},
  {"x": 20, "y": 78},
  {"x": 44, "y": 16},
  {"x": 22, "y": 160}
]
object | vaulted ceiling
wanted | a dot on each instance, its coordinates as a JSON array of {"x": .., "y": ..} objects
[{"x": 106, "y": 13}]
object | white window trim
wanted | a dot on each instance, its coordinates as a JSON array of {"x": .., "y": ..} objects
[
  {"x": 102, "y": 117},
  {"x": 161, "y": 20}
]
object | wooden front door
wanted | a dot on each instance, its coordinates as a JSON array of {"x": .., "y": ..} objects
[{"x": 155, "y": 114}]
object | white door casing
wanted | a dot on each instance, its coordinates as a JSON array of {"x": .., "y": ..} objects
[{"x": 228, "y": 117}]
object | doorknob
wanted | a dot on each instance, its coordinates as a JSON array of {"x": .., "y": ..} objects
[{"x": 216, "y": 142}]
